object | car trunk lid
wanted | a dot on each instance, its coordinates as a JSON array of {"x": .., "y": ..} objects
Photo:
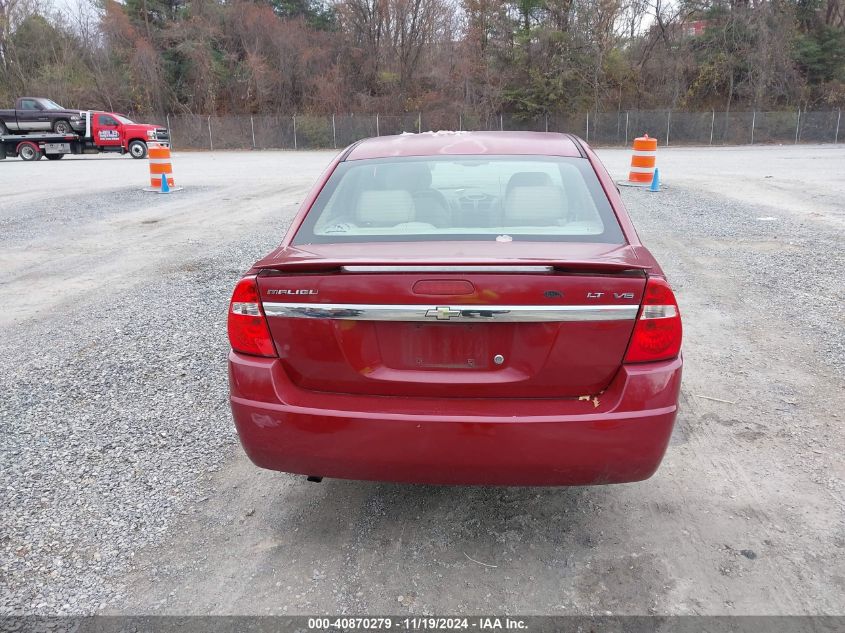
[{"x": 538, "y": 325}]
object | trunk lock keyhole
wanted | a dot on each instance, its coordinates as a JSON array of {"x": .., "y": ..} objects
[{"x": 498, "y": 359}]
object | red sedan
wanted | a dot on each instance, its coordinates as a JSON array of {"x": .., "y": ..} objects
[{"x": 458, "y": 308}]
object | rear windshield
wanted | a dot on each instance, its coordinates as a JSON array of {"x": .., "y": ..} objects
[{"x": 462, "y": 198}]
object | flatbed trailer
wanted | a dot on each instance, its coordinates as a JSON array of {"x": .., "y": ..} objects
[
  {"x": 99, "y": 136},
  {"x": 32, "y": 146}
]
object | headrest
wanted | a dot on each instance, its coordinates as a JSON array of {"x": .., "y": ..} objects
[
  {"x": 384, "y": 207},
  {"x": 408, "y": 176},
  {"x": 534, "y": 206},
  {"x": 528, "y": 179}
]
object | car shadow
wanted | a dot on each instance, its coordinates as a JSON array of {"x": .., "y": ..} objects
[
  {"x": 450, "y": 512},
  {"x": 361, "y": 546}
]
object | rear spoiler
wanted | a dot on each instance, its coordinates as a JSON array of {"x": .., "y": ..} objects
[{"x": 440, "y": 266}]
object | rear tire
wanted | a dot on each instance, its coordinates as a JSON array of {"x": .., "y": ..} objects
[
  {"x": 29, "y": 151},
  {"x": 62, "y": 127},
  {"x": 54, "y": 156},
  {"x": 138, "y": 149}
]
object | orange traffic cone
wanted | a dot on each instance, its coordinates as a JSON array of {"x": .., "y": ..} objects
[
  {"x": 643, "y": 161},
  {"x": 161, "y": 170}
]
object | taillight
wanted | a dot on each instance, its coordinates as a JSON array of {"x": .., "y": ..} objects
[
  {"x": 657, "y": 333},
  {"x": 248, "y": 331}
]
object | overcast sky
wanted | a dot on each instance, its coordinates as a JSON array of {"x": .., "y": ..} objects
[{"x": 72, "y": 6}]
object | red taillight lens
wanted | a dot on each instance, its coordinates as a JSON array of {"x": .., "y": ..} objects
[
  {"x": 248, "y": 331},
  {"x": 657, "y": 333}
]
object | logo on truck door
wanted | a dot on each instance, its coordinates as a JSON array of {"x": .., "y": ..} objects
[{"x": 108, "y": 135}]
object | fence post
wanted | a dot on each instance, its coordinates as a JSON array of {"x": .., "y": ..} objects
[
  {"x": 460, "y": 121},
  {"x": 618, "y": 123},
  {"x": 170, "y": 132},
  {"x": 419, "y": 122},
  {"x": 588, "y": 127},
  {"x": 334, "y": 134},
  {"x": 547, "y": 121},
  {"x": 626, "y": 128},
  {"x": 252, "y": 127},
  {"x": 798, "y": 124},
  {"x": 501, "y": 122},
  {"x": 294, "y": 131},
  {"x": 753, "y": 122},
  {"x": 712, "y": 124},
  {"x": 838, "y": 119},
  {"x": 668, "y": 123},
  {"x": 210, "y": 140},
  {"x": 378, "y": 132}
]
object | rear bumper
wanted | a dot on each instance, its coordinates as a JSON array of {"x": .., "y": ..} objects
[{"x": 456, "y": 441}]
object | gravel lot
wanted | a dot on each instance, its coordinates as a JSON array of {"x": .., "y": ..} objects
[{"x": 124, "y": 489}]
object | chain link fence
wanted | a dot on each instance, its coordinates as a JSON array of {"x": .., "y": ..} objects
[{"x": 201, "y": 132}]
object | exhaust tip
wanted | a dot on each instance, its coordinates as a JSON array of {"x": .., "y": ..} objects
[{"x": 314, "y": 478}]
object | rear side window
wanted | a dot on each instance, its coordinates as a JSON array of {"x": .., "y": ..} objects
[{"x": 462, "y": 198}]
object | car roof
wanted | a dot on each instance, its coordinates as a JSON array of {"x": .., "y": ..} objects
[{"x": 467, "y": 143}]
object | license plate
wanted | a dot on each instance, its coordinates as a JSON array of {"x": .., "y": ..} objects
[
  {"x": 56, "y": 148},
  {"x": 439, "y": 346}
]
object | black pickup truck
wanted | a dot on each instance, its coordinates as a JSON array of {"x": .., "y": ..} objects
[{"x": 37, "y": 114}]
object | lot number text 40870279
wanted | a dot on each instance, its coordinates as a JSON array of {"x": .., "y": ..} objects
[{"x": 417, "y": 624}]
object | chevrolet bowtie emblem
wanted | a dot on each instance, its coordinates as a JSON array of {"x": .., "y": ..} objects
[{"x": 443, "y": 313}]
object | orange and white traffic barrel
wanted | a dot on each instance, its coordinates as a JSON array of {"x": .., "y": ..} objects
[
  {"x": 643, "y": 160},
  {"x": 160, "y": 167}
]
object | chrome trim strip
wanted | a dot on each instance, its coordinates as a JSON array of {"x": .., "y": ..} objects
[
  {"x": 447, "y": 269},
  {"x": 451, "y": 314}
]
